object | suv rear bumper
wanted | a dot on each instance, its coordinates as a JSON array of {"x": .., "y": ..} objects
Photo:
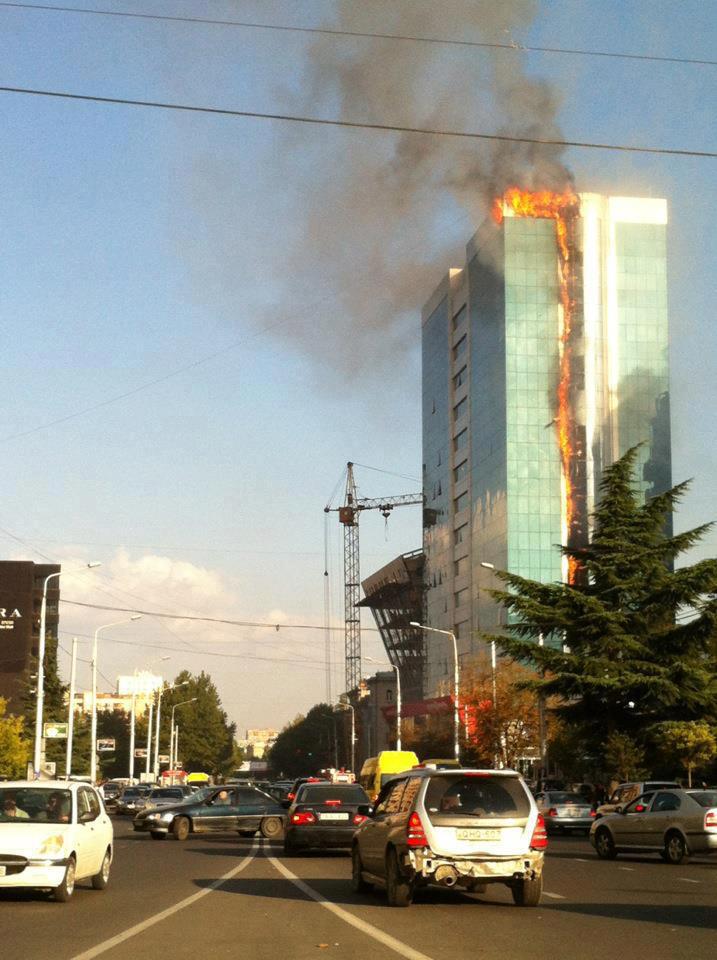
[{"x": 525, "y": 867}]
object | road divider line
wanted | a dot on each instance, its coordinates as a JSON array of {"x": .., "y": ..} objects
[
  {"x": 164, "y": 914},
  {"x": 553, "y": 896},
  {"x": 687, "y": 880},
  {"x": 375, "y": 932},
  {"x": 580, "y": 860},
  {"x": 627, "y": 869}
]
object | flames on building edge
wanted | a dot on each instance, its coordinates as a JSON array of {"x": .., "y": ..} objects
[{"x": 564, "y": 209}]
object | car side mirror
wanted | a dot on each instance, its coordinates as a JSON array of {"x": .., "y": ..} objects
[{"x": 366, "y": 810}]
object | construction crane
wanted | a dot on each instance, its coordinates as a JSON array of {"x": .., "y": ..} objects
[{"x": 349, "y": 515}]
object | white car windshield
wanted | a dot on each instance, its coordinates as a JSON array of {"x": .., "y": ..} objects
[{"x": 35, "y": 805}]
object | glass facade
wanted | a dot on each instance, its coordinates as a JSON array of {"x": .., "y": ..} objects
[{"x": 493, "y": 480}]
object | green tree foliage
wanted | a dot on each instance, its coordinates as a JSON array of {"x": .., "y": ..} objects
[
  {"x": 306, "y": 745},
  {"x": 624, "y": 759},
  {"x": 206, "y": 738},
  {"x": 692, "y": 744},
  {"x": 618, "y": 651},
  {"x": 15, "y": 749}
]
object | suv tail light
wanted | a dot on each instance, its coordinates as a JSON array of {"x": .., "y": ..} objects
[
  {"x": 303, "y": 817},
  {"x": 539, "y": 840},
  {"x": 415, "y": 834},
  {"x": 359, "y": 818},
  {"x": 711, "y": 819},
  {"x": 552, "y": 812}
]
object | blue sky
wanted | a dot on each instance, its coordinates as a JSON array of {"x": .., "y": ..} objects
[{"x": 137, "y": 241}]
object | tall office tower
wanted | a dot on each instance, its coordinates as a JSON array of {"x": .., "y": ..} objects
[{"x": 544, "y": 358}]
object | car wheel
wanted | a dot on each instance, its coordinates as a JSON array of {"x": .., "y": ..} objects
[
  {"x": 157, "y": 835},
  {"x": 675, "y": 851},
  {"x": 604, "y": 845},
  {"x": 271, "y": 827},
  {"x": 358, "y": 884},
  {"x": 180, "y": 828},
  {"x": 65, "y": 890},
  {"x": 399, "y": 890},
  {"x": 101, "y": 879},
  {"x": 527, "y": 893}
]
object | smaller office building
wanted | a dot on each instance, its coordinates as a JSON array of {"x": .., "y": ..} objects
[{"x": 21, "y": 583}]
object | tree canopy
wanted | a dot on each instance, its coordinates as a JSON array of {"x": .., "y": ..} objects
[
  {"x": 631, "y": 642},
  {"x": 307, "y": 744}
]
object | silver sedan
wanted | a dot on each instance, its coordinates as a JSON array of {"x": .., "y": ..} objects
[
  {"x": 565, "y": 811},
  {"x": 673, "y": 823}
]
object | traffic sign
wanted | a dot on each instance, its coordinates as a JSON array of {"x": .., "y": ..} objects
[
  {"x": 106, "y": 746},
  {"x": 140, "y": 753},
  {"x": 163, "y": 758},
  {"x": 55, "y": 731}
]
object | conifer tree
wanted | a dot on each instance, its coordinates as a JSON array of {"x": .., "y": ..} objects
[{"x": 631, "y": 643}]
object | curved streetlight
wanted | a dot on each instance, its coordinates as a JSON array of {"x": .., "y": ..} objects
[
  {"x": 41, "y": 669},
  {"x": 393, "y": 666},
  {"x": 93, "y": 735},
  {"x": 162, "y": 690},
  {"x": 132, "y": 721},
  {"x": 456, "y": 718}
]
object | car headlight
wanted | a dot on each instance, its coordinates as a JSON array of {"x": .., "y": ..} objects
[
  {"x": 166, "y": 816},
  {"x": 51, "y": 846}
]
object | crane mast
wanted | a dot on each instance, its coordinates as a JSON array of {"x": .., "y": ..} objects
[{"x": 349, "y": 515}]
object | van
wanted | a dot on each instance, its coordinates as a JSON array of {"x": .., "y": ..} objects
[{"x": 378, "y": 770}]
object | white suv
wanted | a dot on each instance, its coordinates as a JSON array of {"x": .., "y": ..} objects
[{"x": 452, "y": 827}]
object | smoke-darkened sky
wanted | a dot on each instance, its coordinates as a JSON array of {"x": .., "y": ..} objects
[{"x": 138, "y": 242}]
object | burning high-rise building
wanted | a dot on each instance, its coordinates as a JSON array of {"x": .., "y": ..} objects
[{"x": 544, "y": 358}]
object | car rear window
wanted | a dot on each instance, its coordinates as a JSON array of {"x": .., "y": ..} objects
[
  {"x": 705, "y": 798},
  {"x": 346, "y": 794},
  {"x": 475, "y": 796},
  {"x": 175, "y": 794},
  {"x": 566, "y": 798}
]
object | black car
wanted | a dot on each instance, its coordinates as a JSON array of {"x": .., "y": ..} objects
[
  {"x": 291, "y": 795},
  {"x": 132, "y": 798},
  {"x": 325, "y": 815},
  {"x": 227, "y": 809}
]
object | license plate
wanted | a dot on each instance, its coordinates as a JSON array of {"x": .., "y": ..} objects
[
  {"x": 333, "y": 816},
  {"x": 477, "y": 834},
  {"x": 572, "y": 812},
  {"x": 3, "y": 871}
]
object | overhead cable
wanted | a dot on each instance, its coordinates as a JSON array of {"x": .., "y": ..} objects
[
  {"x": 358, "y": 125},
  {"x": 511, "y": 45}
]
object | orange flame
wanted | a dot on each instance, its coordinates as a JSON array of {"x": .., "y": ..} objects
[{"x": 560, "y": 207}]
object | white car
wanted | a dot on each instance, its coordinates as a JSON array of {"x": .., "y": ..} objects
[{"x": 53, "y": 833}]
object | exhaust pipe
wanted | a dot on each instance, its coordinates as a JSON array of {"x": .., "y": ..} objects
[{"x": 447, "y": 876}]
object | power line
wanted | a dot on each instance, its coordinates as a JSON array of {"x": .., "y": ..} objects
[
  {"x": 356, "y": 125},
  {"x": 512, "y": 45},
  {"x": 232, "y": 623}
]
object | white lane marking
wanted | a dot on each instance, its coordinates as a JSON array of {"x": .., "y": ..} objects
[
  {"x": 627, "y": 869},
  {"x": 163, "y": 914},
  {"x": 386, "y": 939},
  {"x": 553, "y": 896},
  {"x": 687, "y": 880},
  {"x": 581, "y": 860}
]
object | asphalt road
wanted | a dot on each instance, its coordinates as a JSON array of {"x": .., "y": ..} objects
[{"x": 169, "y": 900}]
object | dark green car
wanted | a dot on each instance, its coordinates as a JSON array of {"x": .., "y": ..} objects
[{"x": 225, "y": 809}]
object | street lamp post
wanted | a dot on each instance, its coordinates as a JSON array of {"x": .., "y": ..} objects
[
  {"x": 491, "y": 566},
  {"x": 344, "y": 704},
  {"x": 172, "y": 747},
  {"x": 40, "y": 703},
  {"x": 133, "y": 721},
  {"x": 456, "y": 716},
  {"x": 71, "y": 710},
  {"x": 393, "y": 666},
  {"x": 159, "y": 715},
  {"x": 93, "y": 734}
]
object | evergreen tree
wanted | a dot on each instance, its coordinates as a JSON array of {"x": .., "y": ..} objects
[
  {"x": 307, "y": 744},
  {"x": 206, "y": 738},
  {"x": 631, "y": 643}
]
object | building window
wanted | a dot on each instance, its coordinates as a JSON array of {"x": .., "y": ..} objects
[
  {"x": 460, "y": 503},
  {"x": 460, "y": 471},
  {"x": 463, "y": 630},
  {"x": 460, "y": 566},
  {"x": 460, "y": 378},
  {"x": 460, "y": 534},
  {"x": 461, "y": 408},
  {"x": 461, "y": 596},
  {"x": 460, "y": 348},
  {"x": 459, "y": 317},
  {"x": 389, "y": 696},
  {"x": 460, "y": 441}
]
